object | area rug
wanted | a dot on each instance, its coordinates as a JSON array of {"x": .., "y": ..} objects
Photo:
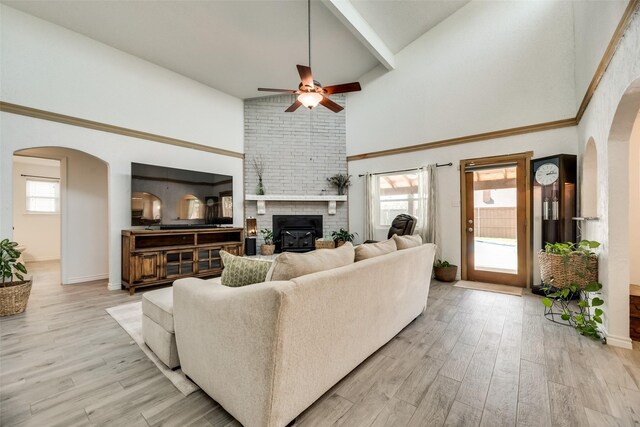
[
  {"x": 489, "y": 287},
  {"x": 129, "y": 316}
]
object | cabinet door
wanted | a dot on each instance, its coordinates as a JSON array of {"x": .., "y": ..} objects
[
  {"x": 234, "y": 249},
  {"x": 145, "y": 267},
  {"x": 179, "y": 263},
  {"x": 209, "y": 260}
]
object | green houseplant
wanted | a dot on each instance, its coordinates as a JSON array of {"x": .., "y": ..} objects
[
  {"x": 269, "y": 247},
  {"x": 444, "y": 271},
  {"x": 14, "y": 294},
  {"x": 570, "y": 281},
  {"x": 341, "y": 181},
  {"x": 342, "y": 236}
]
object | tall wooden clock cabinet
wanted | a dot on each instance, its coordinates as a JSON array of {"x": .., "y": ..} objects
[
  {"x": 554, "y": 202},
  {"x": 554, "y": 181}
]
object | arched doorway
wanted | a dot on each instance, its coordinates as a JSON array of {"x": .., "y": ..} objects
[
  {"x": 83, "y": 211},
  {"x": 621, "y": 143},
  {"x": 589, "y": 184}
]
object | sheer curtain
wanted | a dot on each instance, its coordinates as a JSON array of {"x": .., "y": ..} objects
[
  {"x": 371, "y": 197},
  {"x": 427, "y": 203}
]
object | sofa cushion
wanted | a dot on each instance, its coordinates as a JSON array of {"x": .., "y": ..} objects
[
  {"x": 408, "y": 241},
  {"x": 371, "y": 250},
  {"x": 242, "y": 271},
  {"x": 289, "y": 264},
  {"x": 158, "y": 306}
]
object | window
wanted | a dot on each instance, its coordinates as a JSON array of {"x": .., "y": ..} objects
[
  {"x": 397, "y": 194},
  {"x": 43, "y": 196}
]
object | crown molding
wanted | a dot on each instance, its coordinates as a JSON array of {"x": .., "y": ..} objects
[
  {"x": 103, "y": 127},
  {"x": 538, "y": 127}
]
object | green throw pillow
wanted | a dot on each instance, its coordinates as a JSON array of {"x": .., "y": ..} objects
[{"x": 241, "y": 271}]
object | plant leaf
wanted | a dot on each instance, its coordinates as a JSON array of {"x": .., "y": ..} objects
[
  {"x": 596, "y": 302},
  {"x": 599, "y": 312},
  {"x": 547, "y": 302}
]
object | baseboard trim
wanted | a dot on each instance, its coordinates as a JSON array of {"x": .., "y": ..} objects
[
  {"x": 623, "y": 342},
  {"x": 84, "y": 279},
  {"x": 114, "y": 286}
]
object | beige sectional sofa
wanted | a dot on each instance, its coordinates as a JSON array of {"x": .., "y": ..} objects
[{"x": 267, "y": 351}]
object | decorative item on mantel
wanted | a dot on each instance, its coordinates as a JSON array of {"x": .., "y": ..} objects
[
  {"x": 258, "y": 166},
  {"x": 269, "y": 247},
  {"x": 341, "y": 181}
]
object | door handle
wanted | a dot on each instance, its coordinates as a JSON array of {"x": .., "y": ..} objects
[{"x": 470, "y": 230}]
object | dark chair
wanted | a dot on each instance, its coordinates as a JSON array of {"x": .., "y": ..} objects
[{"x": 402, "y": 225}]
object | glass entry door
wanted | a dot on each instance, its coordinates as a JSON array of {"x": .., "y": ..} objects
[{"x": 495, "y": 222}]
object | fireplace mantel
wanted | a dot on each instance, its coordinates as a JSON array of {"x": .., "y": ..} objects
[{"x": 331, "y": 200}]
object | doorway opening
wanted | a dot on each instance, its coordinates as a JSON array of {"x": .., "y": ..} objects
[
  {"x": 495, "y": 220},
  {"x": 62, "y": 210}
]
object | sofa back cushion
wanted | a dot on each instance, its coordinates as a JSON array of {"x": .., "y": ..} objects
[
  {"x": 371, "y": 250},
  {"x": 241, "y": 271},
  {"x": 406, "y": 242},
  {"x": 289, "y": 264}
]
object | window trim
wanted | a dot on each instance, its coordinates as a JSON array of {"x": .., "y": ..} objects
[{"x": 56, "y": 198}]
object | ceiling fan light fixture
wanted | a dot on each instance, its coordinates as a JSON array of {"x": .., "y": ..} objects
[{"x": 310, "y": 99}]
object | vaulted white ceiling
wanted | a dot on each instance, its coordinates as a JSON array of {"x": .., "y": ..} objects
[{"x": 236, "y": 46}]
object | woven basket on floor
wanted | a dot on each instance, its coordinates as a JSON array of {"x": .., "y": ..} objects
[
  {"x": 325, "y": 244},
  {"x": 566, "y": 270},
  {"x": 13, "y": 299}
]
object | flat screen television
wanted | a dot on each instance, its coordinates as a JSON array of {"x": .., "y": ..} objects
[{"x": 176, "y": 198}]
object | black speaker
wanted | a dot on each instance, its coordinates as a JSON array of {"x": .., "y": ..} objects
[{"x": 249, "y": 246}]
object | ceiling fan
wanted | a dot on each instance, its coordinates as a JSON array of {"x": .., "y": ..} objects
[{"x": 310, "y": 92}]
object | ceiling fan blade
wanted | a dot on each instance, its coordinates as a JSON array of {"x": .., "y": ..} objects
[
  {"x": 293, "y": 107},
  {"x": 305, "y": 75},
  {"x": 331, "y": 105},
  {"x": 267, "y": 89},
  {"x": 343, "y": 88}
]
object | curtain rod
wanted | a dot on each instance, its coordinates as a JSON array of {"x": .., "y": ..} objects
[
  {"x": 38, "y": 176},
  {"x": 405, "y": 170}
]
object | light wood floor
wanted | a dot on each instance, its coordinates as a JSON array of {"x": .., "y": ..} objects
[{"x": 475, "y": 358}]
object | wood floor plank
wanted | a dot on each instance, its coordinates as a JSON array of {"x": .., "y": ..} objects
[
  {"x": 434, "y": 407},
  {"x": 326, "y": 413},
  {"x": 534, "y": 408},
  {"x": 397, "y": 413},
  {"x": 463, "y": 415},
  {"x": 500, "y": 408},
  {"x": 566, "y": 406},
  {"x": 459, "y": 358}
]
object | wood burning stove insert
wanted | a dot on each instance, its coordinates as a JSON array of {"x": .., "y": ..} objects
[{"x": 296, "y": 233}]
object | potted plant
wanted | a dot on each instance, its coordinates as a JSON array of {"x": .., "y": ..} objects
[
  {"x": 570, "y": 272},
  {"x": 342, "y": 236},
  {"x": 268, "y": 248},
  {"x": 14, "y": 294},
  {"x": 568, "y": 263},
  {"x": 445, "y": 271},
  {"x": 341, "y": 181}
]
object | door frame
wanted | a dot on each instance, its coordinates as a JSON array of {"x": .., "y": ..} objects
[{"x": 526, "y": 156}]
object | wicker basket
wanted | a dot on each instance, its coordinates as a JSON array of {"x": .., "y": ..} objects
[
  {"x": 267, "y": 249},
  {"x": 13, "y": 299},
  {"x": 561, "y": 271},
  {"x": 325, "y": 244}
]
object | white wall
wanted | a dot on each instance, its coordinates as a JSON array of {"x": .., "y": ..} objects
[
  {"x": 38, "y": 232},
  {"x": 594, "y": 24},
  {"x": 612, "y": 228},
  {"x": 490, "y": 66},
  {"x": 48, "y": 67},
  {"x": 541, "y": 143},
  {"x": 634, "y": 204}
]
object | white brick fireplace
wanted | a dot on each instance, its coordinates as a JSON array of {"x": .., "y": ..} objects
[{"x": 300, "y": 150}]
